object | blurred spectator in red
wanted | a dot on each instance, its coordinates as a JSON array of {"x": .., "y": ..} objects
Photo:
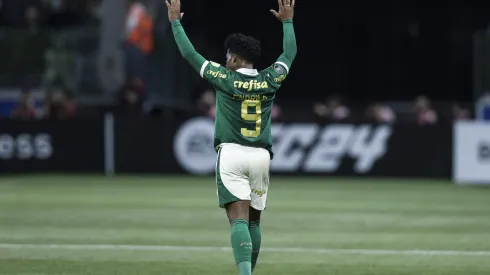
[
  {"x": 379, "y": 113},
  {"x": 332, "y": 109},
  {"x": 25, "y": 110},
  {"x": 424, "y": 113},
  {"x": 139, "y": 40},
  {"x": 59, "y": 105}
]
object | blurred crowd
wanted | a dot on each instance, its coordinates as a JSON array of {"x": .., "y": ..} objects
[
  {"x": 35, "y": 15},
  {"x": 137, "y": 46},
  {"x": 420, "y": 112},
  {"x": 47, "y": 46},
  {"x": 58, "y": 104},
  {"x": 333, "y": 109}
]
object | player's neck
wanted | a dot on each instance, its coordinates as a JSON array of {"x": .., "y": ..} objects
[{"x": 247, "y": 66}]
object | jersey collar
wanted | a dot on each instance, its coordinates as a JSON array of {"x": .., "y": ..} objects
[{"x": 250, "y": 72}]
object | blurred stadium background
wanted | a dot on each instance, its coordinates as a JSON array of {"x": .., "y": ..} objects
[{"x": 382, "y": 139}]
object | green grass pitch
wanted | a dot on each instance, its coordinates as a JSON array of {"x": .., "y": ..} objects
[{"x": 76, "y": 225}]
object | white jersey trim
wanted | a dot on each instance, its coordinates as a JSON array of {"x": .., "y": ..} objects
[
  {"x": 221, "y": 145},
  {"x": 284, "y": 65},
  {"x": 250, "y": 72},
  {"x": 203, "y": 68}
]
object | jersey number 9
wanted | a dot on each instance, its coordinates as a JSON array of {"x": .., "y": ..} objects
[{"x": 252, "y": 117}]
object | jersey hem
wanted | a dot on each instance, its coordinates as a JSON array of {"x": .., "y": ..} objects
[
  {"x": 232, "y": 143},
  {"x": 268, "y": 149}
]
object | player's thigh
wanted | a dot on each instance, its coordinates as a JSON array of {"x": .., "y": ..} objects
[
  {"x": 259, "y": 178},
  {"x": 231, "y": 180}
]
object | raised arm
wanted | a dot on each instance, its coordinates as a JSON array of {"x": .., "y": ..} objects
[
  {"x": 185, "y": 46},
  {"x": 286, "y": 14},
  {"x": 289, "y": 44}
]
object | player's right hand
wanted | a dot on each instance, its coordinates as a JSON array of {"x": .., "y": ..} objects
[
  {"x": 286, "y": 10},
  {"x": 174, "y": 10}
]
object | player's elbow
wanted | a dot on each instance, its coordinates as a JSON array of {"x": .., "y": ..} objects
[{"x": 189, "y": 54}]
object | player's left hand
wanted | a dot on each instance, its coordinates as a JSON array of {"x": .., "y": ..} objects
[
  {"x": 286, "y": 10},
  {"x": 174, "y": 10}
]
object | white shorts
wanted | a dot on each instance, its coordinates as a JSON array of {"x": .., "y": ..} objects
[{"x": 242, "y": 173}]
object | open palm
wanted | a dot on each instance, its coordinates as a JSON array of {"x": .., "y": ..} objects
[
  {"x": 286, "y": 10},
  {"x": 174, "y": 10}
]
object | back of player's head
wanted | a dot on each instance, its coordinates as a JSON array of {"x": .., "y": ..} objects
[{"x": 246, "y": 47}]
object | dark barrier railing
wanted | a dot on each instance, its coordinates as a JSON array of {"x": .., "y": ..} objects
[
  {"x": 186, "y": 147},
  {"x": 51, "y": 146},
  {"x": 300, "y": 149}
]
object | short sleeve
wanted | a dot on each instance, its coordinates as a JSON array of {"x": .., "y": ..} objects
[
  {"x": 215, "y": 74},
  {"x": 276, "y": 74},
  {"x": 284, "y": 63}
]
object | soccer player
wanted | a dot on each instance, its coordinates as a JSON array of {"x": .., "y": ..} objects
[{"x": 242, "y": 134}]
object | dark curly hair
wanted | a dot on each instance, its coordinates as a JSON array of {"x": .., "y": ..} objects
[{"x": 246, "y": 47}]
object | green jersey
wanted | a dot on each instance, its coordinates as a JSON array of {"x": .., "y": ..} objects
[
  {"x": 244, "y": 101},
  {"x": 244, "y": 98}
]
